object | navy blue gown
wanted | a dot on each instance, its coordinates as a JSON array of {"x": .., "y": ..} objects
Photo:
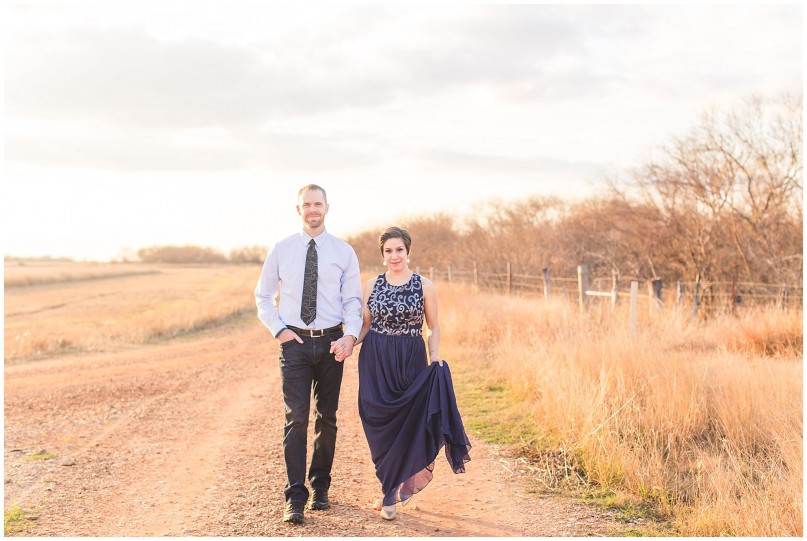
[{"x": 407, "y": 407}]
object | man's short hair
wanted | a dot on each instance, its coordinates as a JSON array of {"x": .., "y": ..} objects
[{"x": 312, "y": 187}]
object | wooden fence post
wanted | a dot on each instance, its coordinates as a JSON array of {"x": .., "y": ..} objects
[
  {"x": 695, "y": 295},
  {"x": 476, "y": 274},
  {"x": 547, "y": 286},
  {"x": 634, "y": 301},
  {"x": 431, "y": 273},
  {"x": 782, "y": 301},
  {"x": 582, "y": 286},
  {"x": 509, "y": 277},
  {"x": 654, "y": 293},
  {"x": 733, "y": 302},
  {"x": 679, "y": 294},
  {"x": 614, "y": 289}
]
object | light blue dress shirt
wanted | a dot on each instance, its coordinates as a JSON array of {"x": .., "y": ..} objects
[{"x": 279, "y": 292}]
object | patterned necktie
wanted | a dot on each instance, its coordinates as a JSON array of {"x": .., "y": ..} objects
[{"x": 308, "y": 309}]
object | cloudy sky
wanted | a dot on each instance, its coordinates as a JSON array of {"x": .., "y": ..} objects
[{"x": 130, "y": 124}]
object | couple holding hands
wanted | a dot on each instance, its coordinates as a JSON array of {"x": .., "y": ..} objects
[{"x": 310, "y": 297}]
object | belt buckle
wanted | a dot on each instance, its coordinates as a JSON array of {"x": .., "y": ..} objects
[{"x": 315, "y": 335}]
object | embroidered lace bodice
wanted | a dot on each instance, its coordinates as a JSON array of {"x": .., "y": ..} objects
[{"x": 397, "y": 310}]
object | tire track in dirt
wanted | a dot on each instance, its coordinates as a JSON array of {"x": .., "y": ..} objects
[{"x": 185, "y": 438}]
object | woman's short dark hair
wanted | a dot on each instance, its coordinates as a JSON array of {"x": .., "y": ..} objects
[{"x": 395, "y": 233}]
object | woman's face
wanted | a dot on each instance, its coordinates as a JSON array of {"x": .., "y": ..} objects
[{"x": 395, "y": 254}]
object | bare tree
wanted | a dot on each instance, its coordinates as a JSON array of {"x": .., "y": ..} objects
[
  {"x": 180, "y": 254},
  {"x": 733, "y": 189}
]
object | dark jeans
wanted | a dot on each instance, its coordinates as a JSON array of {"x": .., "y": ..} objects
[{"x": 304, "y": 367}]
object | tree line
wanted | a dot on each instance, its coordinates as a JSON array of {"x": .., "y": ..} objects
[
  {"x": 723, "y": 202},
  {"x": 190, "y": 254}
]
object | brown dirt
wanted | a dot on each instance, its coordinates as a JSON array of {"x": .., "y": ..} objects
[{"x": 184, "y": 439}]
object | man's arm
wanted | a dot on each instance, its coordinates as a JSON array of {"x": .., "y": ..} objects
[
  {"x": 351, "y": 296},
  {"x": 351, "y": 305},
  {"x": 266, "y": 293}
]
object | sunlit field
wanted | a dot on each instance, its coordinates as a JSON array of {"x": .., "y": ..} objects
[
  {"x": 702, "y": 420},
  {"x": 104, "y": 307},
  {"x": 698, "y": 421},
  {"x": 27, "y": 273}
]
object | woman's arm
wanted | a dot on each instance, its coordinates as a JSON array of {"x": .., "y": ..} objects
[
  {"x": 365, "y": 312},
  {"x": 430, "y": 306}
]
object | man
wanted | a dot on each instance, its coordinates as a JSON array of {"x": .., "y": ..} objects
[{"x": 314, "y": 277}]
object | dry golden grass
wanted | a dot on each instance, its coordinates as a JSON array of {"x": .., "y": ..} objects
[
  {"x": 703, "y": 420},
  {"x": 19, "y": 274},
  {"x": 123, "y": 310}
]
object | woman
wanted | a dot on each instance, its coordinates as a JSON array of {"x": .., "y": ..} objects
[{"x": 406, "y": 403}]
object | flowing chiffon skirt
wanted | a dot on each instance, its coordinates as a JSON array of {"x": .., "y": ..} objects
[{"x": 409, "y": 412}]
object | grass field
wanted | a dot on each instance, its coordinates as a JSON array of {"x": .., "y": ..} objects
[
  {"x": 27, "y": 273},
  {"x": 99, "y": 308},
  {"x": 697, "y": 422}
]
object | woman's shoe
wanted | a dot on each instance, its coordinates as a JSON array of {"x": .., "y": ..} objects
[
  {"x": 388, "y": 512},
  {"x": 379, "y": 503},
  {"x": 405, "y": 501}
]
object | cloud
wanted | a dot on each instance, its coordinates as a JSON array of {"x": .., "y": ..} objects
[
  {"x": 134, "y": 79},
  {"x": 138, "y": 151},
  {"x": 311, "y": 152},
  {"x": 100, "y": 146},
  {"x": 500, "y": 164},
  {"x": 127, "y": 75},
  {"x": 187, "y": 87}
]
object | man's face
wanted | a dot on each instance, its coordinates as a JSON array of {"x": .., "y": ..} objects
[{"x": 313, "y": 208}]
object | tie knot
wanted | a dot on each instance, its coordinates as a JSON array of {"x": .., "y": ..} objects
[{"x": 312, "y": 243}]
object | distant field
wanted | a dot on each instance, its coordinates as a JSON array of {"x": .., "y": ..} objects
[
  {"x": 27, "y": 273},
  {"x": 101, "y": 307}
]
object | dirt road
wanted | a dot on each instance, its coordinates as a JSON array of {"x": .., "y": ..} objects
[{"x": 183, "y": 438}]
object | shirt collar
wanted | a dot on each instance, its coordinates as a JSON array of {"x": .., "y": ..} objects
[{"x": 319, "y": 239}]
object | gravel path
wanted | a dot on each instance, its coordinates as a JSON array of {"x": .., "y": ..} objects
[{"x": 184, "y": 439}]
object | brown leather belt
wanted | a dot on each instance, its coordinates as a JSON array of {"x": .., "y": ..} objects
[{"x": 315, "y": 333}]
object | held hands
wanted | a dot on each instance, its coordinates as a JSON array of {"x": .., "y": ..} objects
[{"x": 342, "y": 348}]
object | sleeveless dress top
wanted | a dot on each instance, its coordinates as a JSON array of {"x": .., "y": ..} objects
[
  {"x": 407, "y": 406},
  {"x": 397, "y": 310}
]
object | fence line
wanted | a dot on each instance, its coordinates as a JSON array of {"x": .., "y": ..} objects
[{"x": 703, "y": 296}]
